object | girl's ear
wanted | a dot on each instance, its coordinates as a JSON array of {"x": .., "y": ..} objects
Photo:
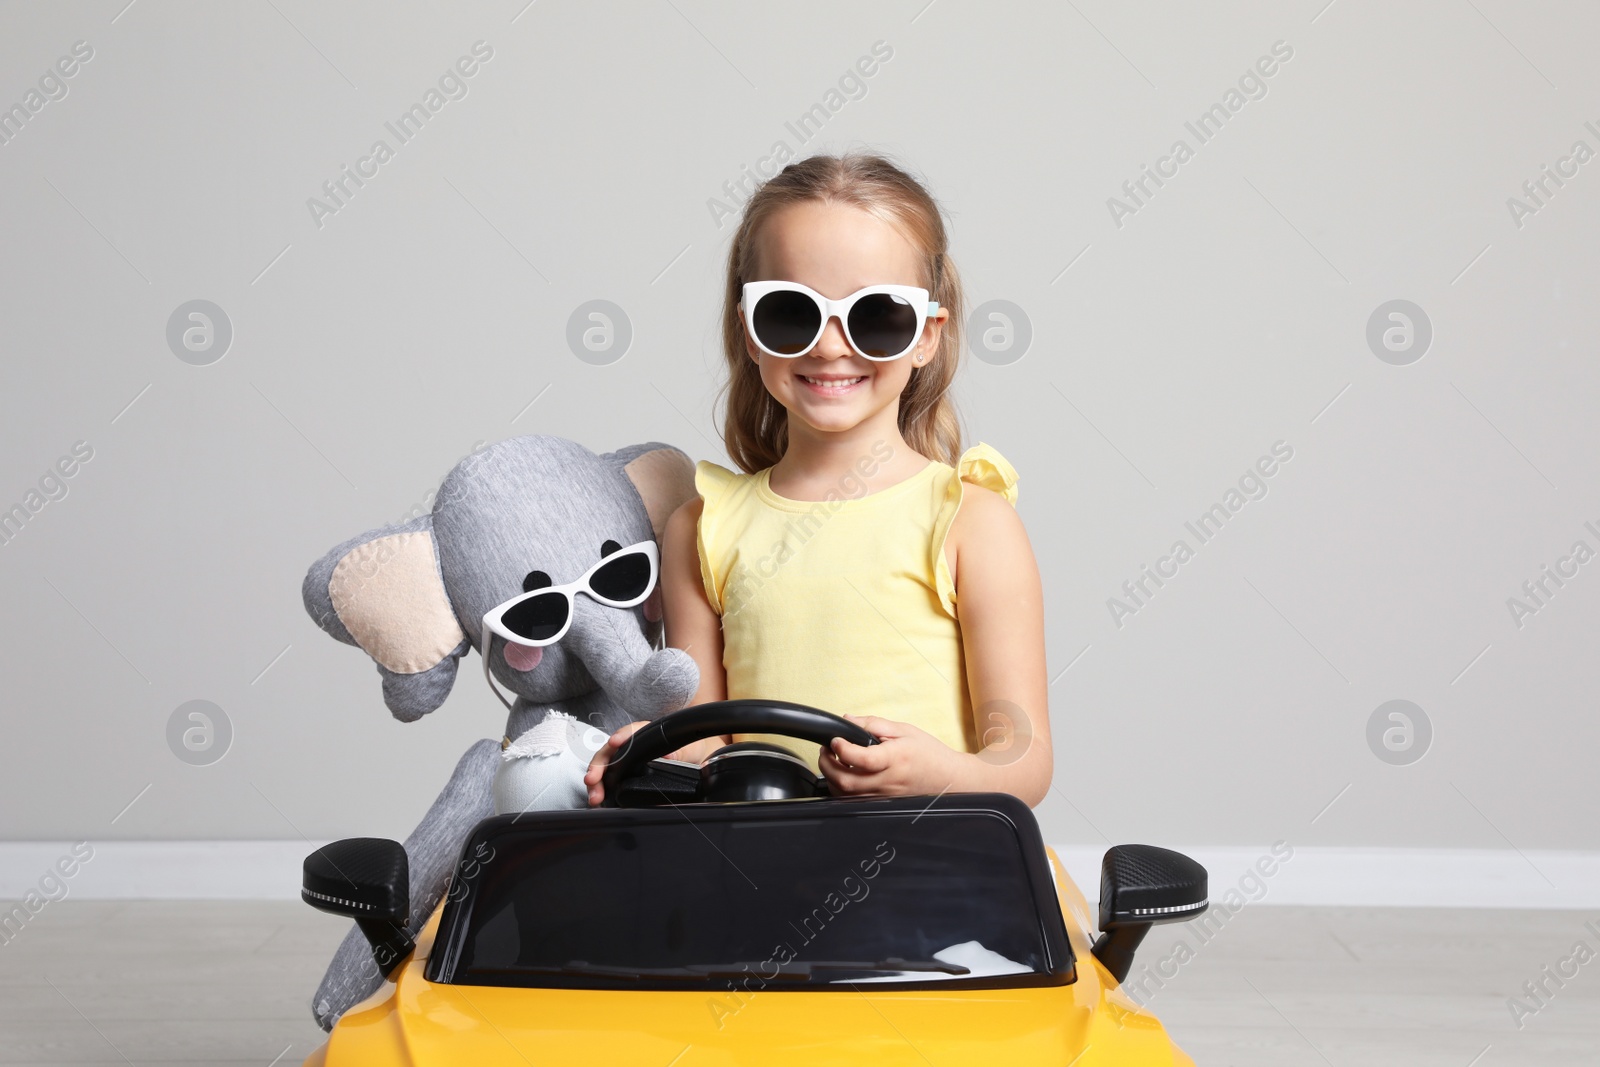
[
  {"x": 932, "y": 334},
  {"x": 750, "y": 348}
]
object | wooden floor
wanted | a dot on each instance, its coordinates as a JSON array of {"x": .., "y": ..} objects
[{"x": 118, "y": 983}]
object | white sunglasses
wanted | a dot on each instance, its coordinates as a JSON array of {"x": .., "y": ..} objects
[
  {"x": 881, "y": 322},
  {"x": 535, "y": 618}
]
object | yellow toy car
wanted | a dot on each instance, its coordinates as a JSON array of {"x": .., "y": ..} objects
[{"x": 733, "y": 913}]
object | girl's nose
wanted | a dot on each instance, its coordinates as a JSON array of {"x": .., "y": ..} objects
[{"x": 833, "y": 344}]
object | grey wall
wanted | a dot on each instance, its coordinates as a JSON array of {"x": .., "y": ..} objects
[{"x": 1170, "y": 348}]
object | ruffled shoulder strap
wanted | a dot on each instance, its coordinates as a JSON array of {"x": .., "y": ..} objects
[
  {"x": 712, "y": 482},
  {"x": 981, "y": 465},
  {"x": 711, "y": 479}
]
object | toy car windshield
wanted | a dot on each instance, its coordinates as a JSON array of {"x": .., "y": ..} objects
[{"x": 799, "y": 894}]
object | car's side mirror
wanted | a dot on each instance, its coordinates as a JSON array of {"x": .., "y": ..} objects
[
  {"x": 367, "y": 879},
  {"x": 1141, "y": 885}
]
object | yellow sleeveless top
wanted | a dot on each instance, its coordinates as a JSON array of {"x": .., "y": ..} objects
[{"x": 845, "y": 604}]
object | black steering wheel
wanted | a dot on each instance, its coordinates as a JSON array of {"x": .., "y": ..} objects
[{"x": 746, "y": 770}]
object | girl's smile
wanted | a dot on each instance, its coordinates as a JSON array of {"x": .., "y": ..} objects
[
  {"x": 832, "y": 391},
  {"x": 832, "y": 385}
]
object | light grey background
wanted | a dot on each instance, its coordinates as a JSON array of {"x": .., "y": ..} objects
[{"x": 1167, "y": 354}]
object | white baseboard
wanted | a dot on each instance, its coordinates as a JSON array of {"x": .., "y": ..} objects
[
  {"x": 1348, "y": 877},
  {"x": 1381, "y": 877},
  {"x": 157, "y": 870}
]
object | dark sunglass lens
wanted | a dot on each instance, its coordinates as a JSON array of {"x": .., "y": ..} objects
[
  {"x": 883, "y": 324},
  {"x": 538, "y": 618},
  {"x": 786, "y": 322},
  {"x": 622, "y": 579}
]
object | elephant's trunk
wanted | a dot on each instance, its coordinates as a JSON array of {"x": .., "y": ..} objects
[{"x": 646, "y": 682}]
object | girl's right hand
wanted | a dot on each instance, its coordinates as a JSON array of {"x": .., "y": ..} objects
[
  {"x": 694, "y": 753},
  {"x": 598, "y": 763}
]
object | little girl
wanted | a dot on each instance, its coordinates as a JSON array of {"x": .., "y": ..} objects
[{"x": 862, "y": 563}]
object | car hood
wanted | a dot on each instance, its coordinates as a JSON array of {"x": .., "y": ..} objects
[
  {"x": 424, "y": 1025},
  {"x": 485, "y": 1025}
]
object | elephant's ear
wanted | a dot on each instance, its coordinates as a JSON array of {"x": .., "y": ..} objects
[
  {"x": 384, "y": 593},
  {"x": 664, "y": 477}
]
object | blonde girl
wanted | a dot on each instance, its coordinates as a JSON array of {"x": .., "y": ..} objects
[{"x": 860, "y": 561}]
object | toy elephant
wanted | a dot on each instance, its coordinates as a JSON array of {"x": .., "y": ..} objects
[{"x": 526, "y": 514}]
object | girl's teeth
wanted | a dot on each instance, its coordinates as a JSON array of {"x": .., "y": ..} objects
[{"x": 836, "y": 383}]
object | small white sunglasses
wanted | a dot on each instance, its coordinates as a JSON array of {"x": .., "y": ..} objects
[
  {"x": 624, "y": 578},
  {"x": 881, "y": 322}
]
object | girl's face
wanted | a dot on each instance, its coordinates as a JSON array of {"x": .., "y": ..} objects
[{"x": 837, "y": 249}]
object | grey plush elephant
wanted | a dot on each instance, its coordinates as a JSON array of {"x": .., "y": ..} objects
[{"x": 523, "y": 515}]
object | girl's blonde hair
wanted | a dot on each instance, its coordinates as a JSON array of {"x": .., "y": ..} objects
[{"x": 756, "y": 427}]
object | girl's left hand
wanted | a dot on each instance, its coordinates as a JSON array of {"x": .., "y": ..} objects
[{"x": 906, "y": 760}]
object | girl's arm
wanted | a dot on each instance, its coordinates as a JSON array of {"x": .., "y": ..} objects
[
  {"x": 1000, "y": 605},
  {"x": 1000, "y": 602},
  {"x": 691, "y": 625}
]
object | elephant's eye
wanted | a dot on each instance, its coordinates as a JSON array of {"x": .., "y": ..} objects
[
  {"x": 608, "y": 548},
  {"x": 535, "y": 580}
]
